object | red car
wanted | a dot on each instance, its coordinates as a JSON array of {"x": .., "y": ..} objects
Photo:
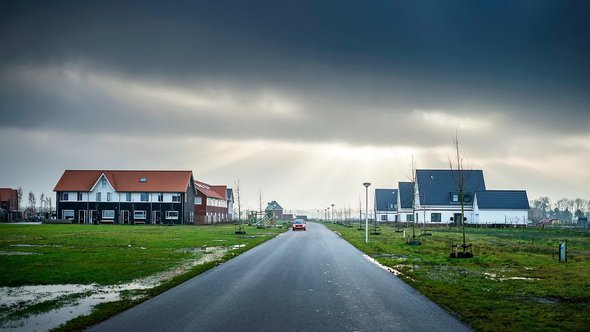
[{"x": 299, "y": 224}]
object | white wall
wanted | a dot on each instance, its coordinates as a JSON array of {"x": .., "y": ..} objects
[{"x": 511, "y": 217}]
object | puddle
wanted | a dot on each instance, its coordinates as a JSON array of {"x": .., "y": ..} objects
[
  {"x": 17, "y": 253},
  {"x": 36, "y": 245},
  {"x": 387, "y": 268},
  {"x": 494, "y": 276},
  {"x": 14, "y": 299}
]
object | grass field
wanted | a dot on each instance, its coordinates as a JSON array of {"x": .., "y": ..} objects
[
  {"x": 111, "y": 255},
  {"x": 514, "y": 282}
]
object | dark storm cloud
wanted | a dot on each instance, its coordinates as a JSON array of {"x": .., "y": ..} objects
[{"x": 357, "y": 68}]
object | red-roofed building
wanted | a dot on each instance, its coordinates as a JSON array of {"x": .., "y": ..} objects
[
  {"x": 126, "y": 197},
  {"x": 9, "y": 203},
  {"x": 210, "y": 203}
]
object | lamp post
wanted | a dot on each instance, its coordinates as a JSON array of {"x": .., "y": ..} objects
[
  {"x": 332, "y": 217},
  {"x": 366, "y": 184}
]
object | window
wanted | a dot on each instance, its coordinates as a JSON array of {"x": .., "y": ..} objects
[
  {"x": 383, "y": 217},
  {"x": 79, "y": 197},
  {"x": 455, "y": 198},
  {"x": 108, "y": 197},
  {"x": 409, "y": 217},
  {"x": 67, "y": 214},
  {"x": 144, "y": 197},
  {"x": 435, "y": 217},
  {"x": 104, "y": 182},
  {"x": 128, "y": 197},
  {"x": 160, "y": 197},
  {"x": 98, "y": 197},
  {"x": 142, "y": 180},
  {"x": 171, "y": 214},
  {"x": 199, "y": 200},
  {"x": 108, "y": 214},
  {"x": 64, "y": 196},
  {"x": 140, "y": 214},
  {"x": 176, "y": 197}
]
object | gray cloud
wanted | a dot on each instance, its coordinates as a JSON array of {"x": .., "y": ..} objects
[{"x": 399, "y": 75}]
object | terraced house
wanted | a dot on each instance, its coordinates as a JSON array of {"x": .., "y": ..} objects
[{"x": 126, "y": 197}]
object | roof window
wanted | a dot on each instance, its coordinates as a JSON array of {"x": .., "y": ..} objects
[{"x": 142, "y": 179}]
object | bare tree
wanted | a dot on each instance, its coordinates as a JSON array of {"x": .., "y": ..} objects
[
  {"x": 412, "y": 177},
  {"x": 238, "y": 201},
  {"x": 460, "y": 179},
  {"x": 19, "y": 197},
  {"x": 260, "y": 199},
  {"x": 32, "y": 202},
  {"x": 49, "y": 203},
  {"x": 41, "y": 202}
]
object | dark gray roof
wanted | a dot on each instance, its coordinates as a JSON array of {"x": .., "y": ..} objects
[
  {"x": 406, "y": 189},
  {"x": 385, "y": 199},
  {"x": 436, "y": 185},
  {"x": 274, "y": 206},
  {"x": 502, "y": 200}
]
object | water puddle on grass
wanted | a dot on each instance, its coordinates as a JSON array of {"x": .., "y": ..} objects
[
  {"x": 81, "y": 299},
  {"x": 494, "y": 276},
  {"x": 386, "y": 268},
  {"x": 17, "y": 253}
]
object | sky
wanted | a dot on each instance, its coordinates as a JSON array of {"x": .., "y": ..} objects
[{"x": 302, "y": 101}]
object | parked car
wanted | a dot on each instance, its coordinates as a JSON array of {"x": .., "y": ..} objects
[{"x": 299, "y": 224}]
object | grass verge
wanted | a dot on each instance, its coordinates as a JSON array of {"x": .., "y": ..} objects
[
  {"x": 109, "y": 255},
  {"x": 513, "y": 283}
]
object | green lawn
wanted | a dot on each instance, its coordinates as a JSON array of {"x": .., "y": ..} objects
[
  {"x": 106, "y": 254},
  {"x": 110, "y": 255},
  {"x": 514, "y": 282}
]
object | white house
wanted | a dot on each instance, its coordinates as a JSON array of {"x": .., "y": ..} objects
[
  {"x": 386, "y": 205},
  {"x": 510, "y": 207}
]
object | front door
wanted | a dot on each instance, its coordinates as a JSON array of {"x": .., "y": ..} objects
[
  {"x": 93, "y": 217},
  {"x": 81, "y": 216},
  {"x": 124, "y": 217},
  {"x": 156, "y": 217},
  {"x": 457, "y": 219}
]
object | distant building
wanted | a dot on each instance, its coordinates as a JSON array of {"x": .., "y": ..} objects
[
  {"x": 9, "y": 204},
  {"x": 210, "y": 203},
  {"x": 288, "y": 216},
  {"x": 386, "y": 205},
  {"x": 126, "y": 197},
  {"x": 275, "y": 209}
]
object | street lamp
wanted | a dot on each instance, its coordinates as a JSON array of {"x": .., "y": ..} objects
[
  {"x": 332, "y": 218},
  {"x": 366, "y": 184}
]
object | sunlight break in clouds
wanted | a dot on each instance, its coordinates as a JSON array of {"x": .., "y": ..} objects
[{"x": 444, "y": 119}]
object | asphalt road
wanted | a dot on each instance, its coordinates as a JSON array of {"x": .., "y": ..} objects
[{"x": 299, "y": 281}]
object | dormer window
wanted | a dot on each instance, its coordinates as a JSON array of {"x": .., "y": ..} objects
[{"x": 142, "y": 180}]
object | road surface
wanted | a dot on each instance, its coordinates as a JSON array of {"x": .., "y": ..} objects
[{"x": 299, "y": 281}]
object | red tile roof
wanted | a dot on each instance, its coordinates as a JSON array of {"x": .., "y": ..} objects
[
  {"x": 221, "y": 190},
  {"x": 207, "y": 190},
  {"x": 126, "y": 181}
]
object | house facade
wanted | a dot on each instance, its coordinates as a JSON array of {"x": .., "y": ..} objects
[
  {"x": 497, "y": 207},
  {"x": 9, "y": 204},
  {"x": 274, "y": 209},
  {"x": 405, "y": 202},
  {"x": 438, "y": 200},
  {"x": 386, "y": 203},
  {"x": 126, "y": 197},
  {"x": 438, "y": 197},
  {"x": 210, "y": 203}
]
